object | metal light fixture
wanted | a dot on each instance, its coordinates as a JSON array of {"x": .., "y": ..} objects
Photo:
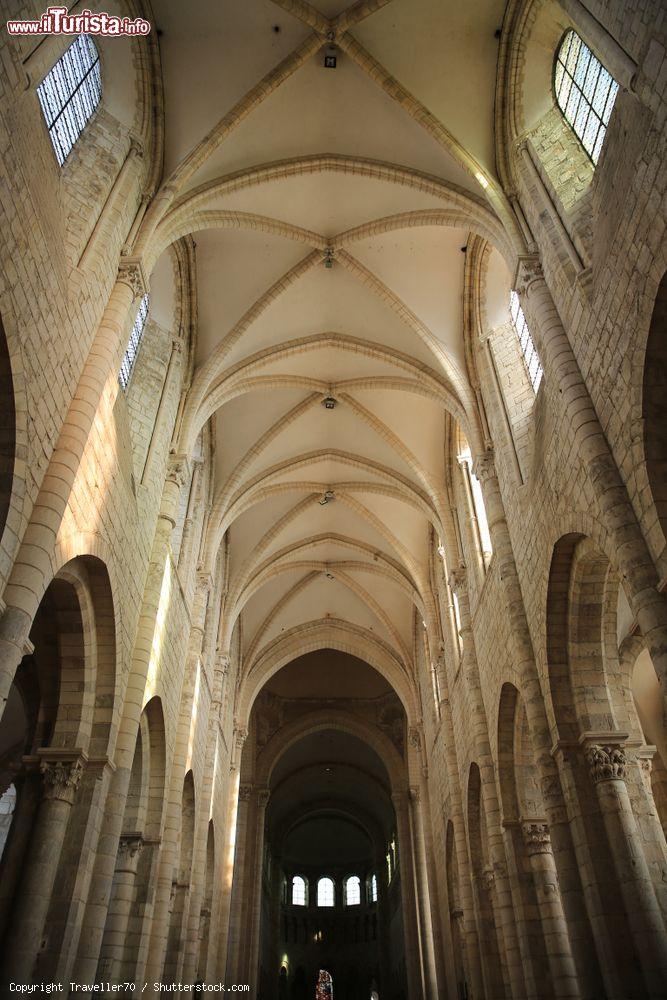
[
  {"x": 327, "y": 498},
  {"x": 328, "y": 258},
  {"x": 329, "y": 403}
]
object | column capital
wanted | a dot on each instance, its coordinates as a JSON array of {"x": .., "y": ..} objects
[
  {"x": 240, "y": 736},
  {"x": 458, "y": 578},
  {"x": 415, "y": 794},
  {"x": 607, "y": 762},
  {"x": 400, "y": 798},
  {"x": 528, "y": 271},
  {"x": 131, "y": 272},
  {"x": 487, "y": 878},
  {"x": 536, "y": 837},
  {"x": 245, "y": 791},
  {"x": 130, "y": 847},
  {"x": 177, "y": 470},
  {"x": 484, "y": 466},
  {"x": 415, "y": 738},
  {"x": 61, "y": 773},
  {"x": 263, "y": 796}
]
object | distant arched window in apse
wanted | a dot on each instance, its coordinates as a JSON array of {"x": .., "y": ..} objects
[
  {"x": 132, "y": 349},
  {"x": 70, "y": 93},
  {"x": 374, "y": 888},
  {"x": 531, "y": 358},
  {"x": 326, "y": 893},
  {"x": 299, "y": 896},
  {"x": 353, "y": 891},
  {"x": 585, "y": 92}
]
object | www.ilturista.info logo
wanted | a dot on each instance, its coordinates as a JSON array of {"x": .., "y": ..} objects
[{"x": 57, "y": 21}]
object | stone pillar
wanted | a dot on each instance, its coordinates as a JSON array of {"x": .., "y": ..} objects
[
  {"x": 408, "y": 901},
  {"x": 29, "y": 790},
  {"x": 616, "y": 513},
  {"x": 240, "y": 888},
  {"x": 231, "y": 839},
  {"x": 607, "y": 763},
  {"x": 256, "y": 911},
  {"x": 61, "y": 774},
  {"x": 96, "y": 391},
  {"x": 120, "y": 905},
  {"x": 501, "y": 900},
  {"x": 554, "y": 927},
  {"x": 423, "y": 895},
  {"x": 107, "y": 849}
]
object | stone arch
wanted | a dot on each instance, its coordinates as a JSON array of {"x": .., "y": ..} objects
[
  {"x": 585, "y": 677},
  {"x": 345, "y": 722},
  {"x": 654, "y": 416},
  {"x": 327, "y": 633}
]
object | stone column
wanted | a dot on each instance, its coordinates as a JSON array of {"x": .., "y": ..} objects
[
  {"x": 408, "y": 901},
  {"x": 120, "y": 905},
  {"x": 256, "y": 911},
  {"x": 501, "y": 901},
  {"x": 222, "y": 965},
  {"x": 554, "y": 927},
  {"x": 423, "y": 895},
  {"x": 61, "y": 774},
  {"x": 240, "y": 887},
  {"x": 563, "y": 376},
  {"x": 107, "y": 849},
  {"x": 95, "y": 393},
  {"x": 607, "y": 763}
]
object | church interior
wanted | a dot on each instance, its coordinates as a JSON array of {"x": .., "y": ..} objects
[{"x": 333, "y": 500}]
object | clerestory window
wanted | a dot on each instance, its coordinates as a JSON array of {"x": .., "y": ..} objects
[
  {"x": 529, "y": 353},
  {"x": 326, "y": 894},
  {"x": 353, "y": 891},
  {"x": 298, "y": 891},
  {"x": 585, "y": 92},
  {"x": 133, "y": 345},
  {"x": 69, "y": 94}
]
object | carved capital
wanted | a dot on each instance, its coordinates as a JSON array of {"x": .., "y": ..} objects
[
  {"x": 528, "y": 271},
  {"x": 130, "y": 847},
  {"x": 245, "y": 791},
  {"x": 136, "y": 147},
  {"x": 458, "y": 579},
  {"x": 414, "y": 738},
  {"x": 487, "y": 878},
  {"x": 131, "y": 273},
  {"x": 177, "y": 470},
  {"x": 61, "y": 778},
  {"x": 536, "y": 838},
  {"x": 484, "y": 466},
  {"x": 415, "y": 794},
  {"x": 263, "y": 796},
  {"x": 606, "y": 763},
  {"x": 240, "y": 736}
]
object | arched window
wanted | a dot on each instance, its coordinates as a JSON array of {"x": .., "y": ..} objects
[
  {"x": 298, "y": 891},
  {"x": 326, "y": 893},
  {"x": 70, "y": 93},
  {"x": 530, "y": 356},
  {"x": 474, "y": 485},
  {"x": 133, "y": 345},
  {"x": 585, "y": 92},
  {"x": 374, "y": 889},
  {"x": 353, "y": 891}
]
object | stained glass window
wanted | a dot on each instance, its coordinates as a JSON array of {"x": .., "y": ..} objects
[
  {"x": 585, "y": 92},
  {"x": 133, "y": 346},
  {"x": 531, "y": 358},
  {"x": 70, "y": 93},
  {"x": 298, "y": 891},
  {"x": 353, "y": 891},
  {"x": 374, "y": 889},
  {"x": 326, "y": 895}
]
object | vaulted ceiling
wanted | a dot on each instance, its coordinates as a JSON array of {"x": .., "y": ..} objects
[{"x": 329, "y": 228}]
